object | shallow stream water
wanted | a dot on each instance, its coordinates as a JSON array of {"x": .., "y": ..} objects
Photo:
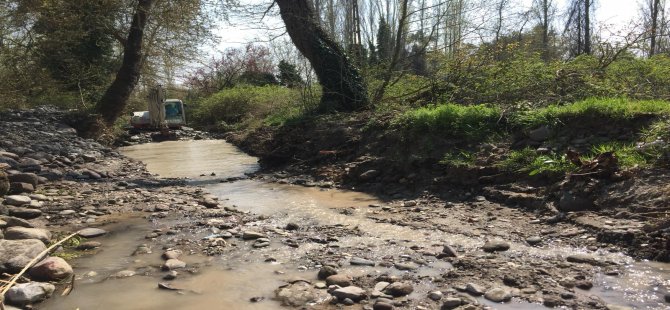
[{"x": 229, "y": 283}]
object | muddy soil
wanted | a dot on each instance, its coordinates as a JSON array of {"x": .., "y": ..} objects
[{"x": 207, "y": 232}]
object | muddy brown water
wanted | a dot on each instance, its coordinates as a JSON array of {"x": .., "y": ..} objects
[{"x": 230, "y": 282}]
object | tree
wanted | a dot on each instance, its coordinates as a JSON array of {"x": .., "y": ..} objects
[
  {"x": 288, "y": 74},
  {"x": 578, "y": 26},
  {"x": 384, "y": 41},
  {"x": 112, "y": 103},
  {"x": 343, "y": 86}
]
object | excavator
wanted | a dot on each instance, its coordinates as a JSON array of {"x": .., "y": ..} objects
[{"x": 162, "y": 115}]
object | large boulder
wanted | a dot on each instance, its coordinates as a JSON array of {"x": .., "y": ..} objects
[
  {"x": 29, "y": 293},
  {"x": 51, "y": 269},
  {"x": 16, "y": 254},
  {"x": 18, "y": 233}
]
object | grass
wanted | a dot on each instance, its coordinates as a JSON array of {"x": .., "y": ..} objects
[
  {"x": 611, "y": 108},
  {"x": 459, "y": 159},
  {"x": 451, "y": 119}
]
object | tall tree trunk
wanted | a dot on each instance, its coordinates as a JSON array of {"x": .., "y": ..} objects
[
  {"x": 399, "y": 48},
  {"x": 112, "y": 103},
  {"x": 343, "y": 86},
  {"x": 655, "y": 4},
  {"x": 545, "y": 29},
  {"x": 587, "y": 27}
]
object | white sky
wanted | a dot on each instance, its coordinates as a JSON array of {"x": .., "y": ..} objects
[{"x": 618, "y": 13}]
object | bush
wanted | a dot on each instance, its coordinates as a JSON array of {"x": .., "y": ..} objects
[{"x": 245, "y": 104}]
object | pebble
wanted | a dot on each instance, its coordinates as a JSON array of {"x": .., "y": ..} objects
[
  {"x": 398, "y": 289},
  {"x": 535, "y": 240},
  {"x": 352, "y": 292},
  {"x": 17, "y": 200},
  {"x": 474, "y": 289},
  {"x": 498, "y": 295},
  {"x": 495, "y": 246},
  {"x": 88, "y": 245},
  {"x": 171, "y": 275},
  {"x": 339, "y": 280},
  {"x": 29, "y": 293},
  {"x": 451, "y": 302},
  {"x": 435, "y": 295},
  {"x": 325, "y": 272},
  {"x": 172, "y": 264}
]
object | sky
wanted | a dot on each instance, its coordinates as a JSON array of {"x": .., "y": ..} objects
[{"x": 611, "y": 12}]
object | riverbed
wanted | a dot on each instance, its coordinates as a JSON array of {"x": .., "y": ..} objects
[{"x": 366, "y": 225}]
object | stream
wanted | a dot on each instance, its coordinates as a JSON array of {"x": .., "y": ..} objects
[{"x": 230, "y": 282}]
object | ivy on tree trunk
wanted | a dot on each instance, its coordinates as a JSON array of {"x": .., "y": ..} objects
[
  {"x": 343, "y": 86},
  {"x": 112, "y": 103}
]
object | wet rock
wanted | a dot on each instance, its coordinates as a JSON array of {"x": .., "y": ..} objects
[
  {"x": 495, "y": 246},
  {"x": 24, "y": 213},
  {"x": 435, "y": 295},
  {"x": 252, "y": 235},
  {"x": 357, "y": 261},
  {"x": 123, "y": 274},
  {"x": 298, "y": 294},
  {"x": 498, "y": 295},
  {"x": 51, "y": 269},
  {"x": 339, "y": 280},
  {"x": 18, "y": 233},
  {"x": 29, "y": 178},
  {"x": 451, "y": 303},
  {"x": 171, "y": 275},
  {"x": 17, "y": 200},
  {"x": 352, "y": 292},
  {"x": 172, "y": 254},
  {"x": 475, "y": 289},
  {"x": 91, "y": 232},
  {"x": 172, "y": 264},
  {"x": 29, "y": 293},
  {"x": 88, "y": 245},
  {"x": 261, "y": 243},
  {"x": 325, "y": 272},
  {"x": 667, "y": 297},
  {"x": 398, "y": 289},
  {"x": 142, "y": 249}
]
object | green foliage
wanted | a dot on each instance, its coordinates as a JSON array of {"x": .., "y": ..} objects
[
  {"x": 475, "y": 121},
  {"x": 384, "y": 41},
  {"x": 610, "y": 108},
  {"x": 288, "y": 74},
  {"x": 246, "y": 104},
  {"x": 528, "y": 161},
  {"x": 459, "y": 159}
]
